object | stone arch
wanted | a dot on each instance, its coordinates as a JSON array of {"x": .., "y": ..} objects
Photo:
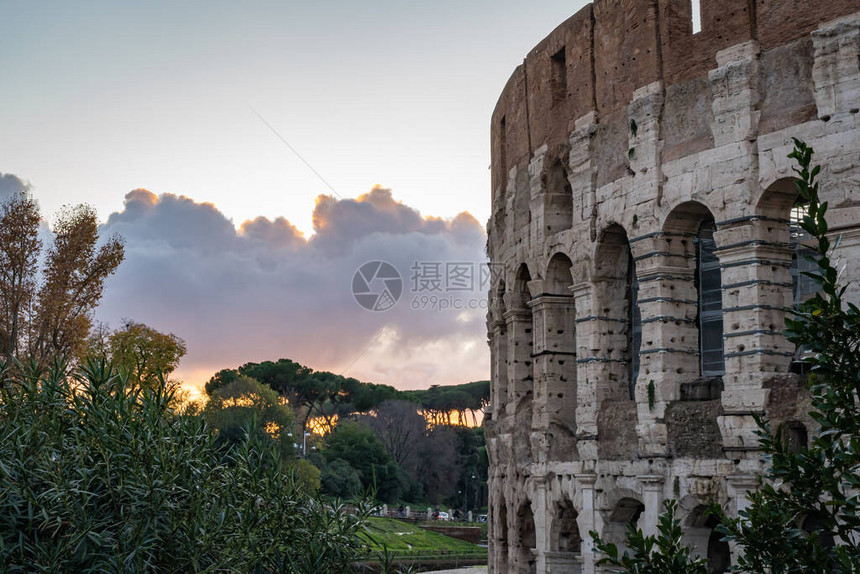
[
  {"x": 820, "y": 525},
  {"x": 564, "y": 533},
  {"x": 694, "y": 291},
  {"x": 559, "y": 275},
  {"x": 521, "y": 288},
  {"x": 558, "y": 198},
  {"x": 501, "y": 526},
  {"x": 776, "y": 199},
  {"x": 616, "y": 293},
  {"x": 527, "y": 540},
  {"x": 699, "y": 534},
  {"x": 627, "y": 509},
  {"x": 796, "y": 435},
  {"x": 788, "y": 246}
]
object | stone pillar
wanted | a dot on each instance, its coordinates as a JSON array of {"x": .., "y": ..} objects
[
  {"x": 520, "y": 345},
  {"x": 737, "y": 486},
  {"x": 755, "y": 268},
  {"x": 520, "y": 384},
  {"x": 845, "y": 236},
  {"x": 669, "y": 353},
  {"x": 835, "y": 72},
  {"x": 652, "y": 498},
  {"x": 498, "y": 367},
  {"x": 586, "y": 520},
  {"x": 542, "y": 517},
  {"x": 587, "y": 371},
  {"x": 555, "y": 372},
  {"x": 581, "y": 170}
]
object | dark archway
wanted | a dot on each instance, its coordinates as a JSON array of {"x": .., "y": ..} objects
[
  {"x": 527, "y": 539},
  {"x": 616, "y": 298},
  {"x": 565, "y": 529}
]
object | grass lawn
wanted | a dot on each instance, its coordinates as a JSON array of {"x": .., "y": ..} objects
[{"x": 405, "y": 538}]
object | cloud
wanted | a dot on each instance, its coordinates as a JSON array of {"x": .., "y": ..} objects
[
  {"x": 264, "y": 291},
  {"x": 10, "y": 185}
]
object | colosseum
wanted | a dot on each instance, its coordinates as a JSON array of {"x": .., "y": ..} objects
[{"x": 642, "y": 210}]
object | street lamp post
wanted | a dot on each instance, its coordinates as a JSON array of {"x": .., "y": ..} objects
[{"x": 305, "y": 444}]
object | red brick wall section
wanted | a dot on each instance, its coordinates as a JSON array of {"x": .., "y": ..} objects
[
  {"x": 613, "y": 47},
  {"x": 552, "y": 117},
  {"x": 687, "y": 56},
  {"x": 781, "y": 21}
]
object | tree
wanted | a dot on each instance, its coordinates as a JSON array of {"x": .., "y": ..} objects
[
  {"x": 400, "y": 428},
  {"x": 50, "y": 320},
  {"x": 148, "y": 355},
  {"x": 102, "y": 475},
  {"x": 19, "y": 253},
  {"x": 246, "y": 406},
  {"x": 359, "y": 447},
  {"x": 806, "y": 517},
  {"x": 660, "y": 554},
  {"x": 74, "y": 275}
]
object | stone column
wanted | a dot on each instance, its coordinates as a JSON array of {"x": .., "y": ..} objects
[
  {"x": 835, "y": 72},
  {"x": 652, "y": 498},
  {"x": 757, "y": 287},
  {"x": 520, "y": 384},
  {"x": 737, "y": 486},
  {"x": 542, "y": 516},
  {"x": 669, "y": 353},
  {"x": 499, "y": 367},
  {"x": 520, "y": 345},
  {"x": 587, "y": 370},
  {"x": 555, "y": 372},
  {"x": 585, "y": 483}
]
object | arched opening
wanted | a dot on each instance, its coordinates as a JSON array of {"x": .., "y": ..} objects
[
  {"x": 522, "y": 286},
  {"x": 820, "y": 525},
  {"x": 558, "y": 207},
  {"x": 706, "y": 542},
  {"x": 617, "y": 292},
  {"x": 710, "y": 298},
  {"x": 804, "y": 260},
  {"x": 783, "y": 210},
  {"x": 627, "y": 511},
  {"x": 527, "y": 539},
  {"x": 565, "y": 530},
  {"x": 501, "y": 536},
  {"x": 795, "y": 435}
]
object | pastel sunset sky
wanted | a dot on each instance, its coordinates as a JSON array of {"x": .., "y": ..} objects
[{"x": 175, "y": 121}]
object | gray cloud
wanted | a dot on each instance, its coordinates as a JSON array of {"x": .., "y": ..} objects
[
  {"x": 264, "y": 291},
  {"x": 10, "y": 185}
]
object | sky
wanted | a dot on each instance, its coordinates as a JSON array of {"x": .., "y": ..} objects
[{"x": 176, "y": 120}]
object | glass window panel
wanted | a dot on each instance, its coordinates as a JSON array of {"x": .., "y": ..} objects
[{"x": 709, "y": 285}]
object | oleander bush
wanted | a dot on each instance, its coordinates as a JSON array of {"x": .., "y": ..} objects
[{"x": 100, "y": 474}]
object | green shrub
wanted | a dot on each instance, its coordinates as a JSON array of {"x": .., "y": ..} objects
[{"x": 100, "y": 475}]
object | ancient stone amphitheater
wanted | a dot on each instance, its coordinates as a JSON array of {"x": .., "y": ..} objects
[{"x": 642, "y": 210}]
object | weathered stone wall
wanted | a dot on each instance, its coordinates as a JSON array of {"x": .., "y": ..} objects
[{"x": 618, "y": 136}]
